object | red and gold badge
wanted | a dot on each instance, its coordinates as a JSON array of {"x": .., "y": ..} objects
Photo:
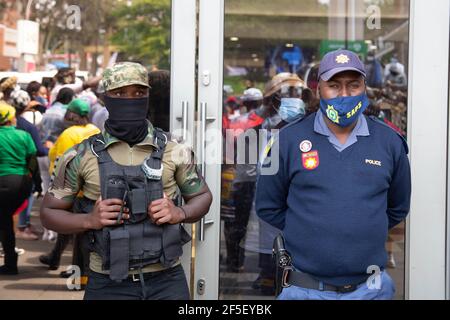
[{"x": 310, "y": 160}]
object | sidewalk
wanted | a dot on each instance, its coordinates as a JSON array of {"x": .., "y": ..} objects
[{"x": 35, "y": 281}]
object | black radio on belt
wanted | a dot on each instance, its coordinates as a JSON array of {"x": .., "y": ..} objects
[{"x": 283, "y": 263}]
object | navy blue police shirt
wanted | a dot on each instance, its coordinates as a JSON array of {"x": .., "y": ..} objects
[{"x": 335, "y": 208}]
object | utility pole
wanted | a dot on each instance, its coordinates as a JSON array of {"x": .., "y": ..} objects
[{"x": 28, "y": 10}]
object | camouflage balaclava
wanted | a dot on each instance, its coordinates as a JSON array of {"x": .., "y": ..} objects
[{"x": 127, "y": 119}]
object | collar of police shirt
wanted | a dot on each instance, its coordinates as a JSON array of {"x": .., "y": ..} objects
[{"x": 361, "y": 129}]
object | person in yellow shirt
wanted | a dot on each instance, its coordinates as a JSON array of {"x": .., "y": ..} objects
[{"x": 79, "y": 129}]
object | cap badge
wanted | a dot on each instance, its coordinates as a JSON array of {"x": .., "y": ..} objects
[{"x": 342, "y": 58}]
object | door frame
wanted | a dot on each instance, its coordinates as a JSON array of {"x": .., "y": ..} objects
[
  {"x": 182, "y": 88},
  {"x": 428, "y": 136},
  {"x": 209, "y": 144}
]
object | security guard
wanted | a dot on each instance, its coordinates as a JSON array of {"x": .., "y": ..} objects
[
  {"x": 343, "y": 180},
  {"x": 129, "y": 176}
]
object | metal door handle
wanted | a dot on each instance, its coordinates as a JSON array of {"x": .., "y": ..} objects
[
  {"x": 184, "y": 119},
  {"x": 203, "y": 120}
]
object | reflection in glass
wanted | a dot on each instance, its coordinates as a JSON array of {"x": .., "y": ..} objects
[{"x": 265, "y": 38}]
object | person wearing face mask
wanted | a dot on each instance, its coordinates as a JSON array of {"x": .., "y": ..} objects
[
  {"x": 396, "y": 78},
  {"x": 129, "y": 175},
  {"x": 342, "y": 182},
  {"x": 285, "y": 100},
  {"x": 394, "y": 62}
]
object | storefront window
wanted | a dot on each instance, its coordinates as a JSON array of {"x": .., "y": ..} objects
[{"x": 264, "y": 38}]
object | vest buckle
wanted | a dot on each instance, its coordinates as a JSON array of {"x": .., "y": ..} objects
[
  {"x": 135, "y": 277},
  {"x": 150, "y": 173}
]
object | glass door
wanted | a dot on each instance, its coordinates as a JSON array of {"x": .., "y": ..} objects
[
  {"x": 182, "y": 98},
  {"x": 260, "y": 40}
]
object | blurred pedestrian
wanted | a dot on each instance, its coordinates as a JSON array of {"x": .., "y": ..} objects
[
  {"x": 17, "y": 160},
  {"x": 8, "y": 85},
  {"x": 78, "y": 129},
  {"x": 20, "y": 100},
  {"x": 39, "y": 93},
  {"x": 66, "y": 78}
]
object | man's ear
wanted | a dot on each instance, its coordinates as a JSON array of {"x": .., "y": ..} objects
[{"x": 307, "y": 95}]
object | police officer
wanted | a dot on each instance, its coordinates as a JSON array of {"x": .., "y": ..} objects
[
  {"x": 128, "y": 176},
  {"x": 343, "y": 181}
]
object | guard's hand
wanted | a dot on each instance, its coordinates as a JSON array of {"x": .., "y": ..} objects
[
  {"x": 164, "y": 211},
  {"x": 105, "y": 213}
]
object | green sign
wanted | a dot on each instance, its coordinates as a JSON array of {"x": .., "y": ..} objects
[{"x": 359, "y": 47}]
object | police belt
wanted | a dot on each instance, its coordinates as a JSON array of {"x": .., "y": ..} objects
[
  {"x": 292, "y": 277},
  {"x": 136, "y": 277}
]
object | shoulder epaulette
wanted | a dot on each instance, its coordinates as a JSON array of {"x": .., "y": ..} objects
[{"x": 377, "y": 120}]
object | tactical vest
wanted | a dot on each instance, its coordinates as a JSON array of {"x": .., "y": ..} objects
[{"x": 138, "y": 241}]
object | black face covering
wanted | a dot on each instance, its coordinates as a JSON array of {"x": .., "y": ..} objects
[{"x": 127, "y": 118}]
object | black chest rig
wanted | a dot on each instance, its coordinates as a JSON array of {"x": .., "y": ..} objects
[{"x": 138, "y": 241}]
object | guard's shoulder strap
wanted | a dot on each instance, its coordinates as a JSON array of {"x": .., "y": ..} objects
[
  {"x": 153, "y": 161},
  {"x": 97, "y": 139},
  {"x": 160, "y": 138},
  {"x": 97, "y": 144}
]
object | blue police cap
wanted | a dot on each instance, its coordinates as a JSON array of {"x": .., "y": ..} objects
[{"x": 339, "y": 61}]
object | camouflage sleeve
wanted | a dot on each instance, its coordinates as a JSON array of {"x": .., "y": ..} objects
[
  {"x": 187, "y": 175},
  {"x": 66, "y": 179}
]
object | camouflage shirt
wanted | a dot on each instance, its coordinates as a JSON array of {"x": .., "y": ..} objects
[{"x": 77, "y": 171}]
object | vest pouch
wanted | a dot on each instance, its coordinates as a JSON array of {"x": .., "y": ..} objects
[
  {"x": 137, "y": 202},
  {"x": 119, "y": 253},
  {"x": 172, "y": 244},
  {"x": 115, "y": 187},
  {"x": 152, "y": 238},
  {"x": 136, "y": 232}
]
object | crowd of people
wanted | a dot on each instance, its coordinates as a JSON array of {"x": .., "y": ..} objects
[
  {"x": 90, "y": 148},
  {"x": 53, "y": 119},
  {"x": 56, "y": 117}
]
